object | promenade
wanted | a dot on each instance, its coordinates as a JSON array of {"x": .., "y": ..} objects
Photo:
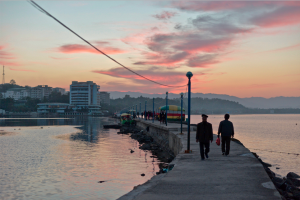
[{"x": 237, "y": 176}]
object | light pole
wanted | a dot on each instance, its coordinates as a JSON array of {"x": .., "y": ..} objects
[
  {"x": 189, "y": 75},
  {"x": 181, "y": 94},
  {"x": 153, "y": 112},
  {"x": 141, "y": 109},
  {"x": 166, "y": 108},
  {"x": 136, "y": 110},
  {"x": 145, "y": 110}
]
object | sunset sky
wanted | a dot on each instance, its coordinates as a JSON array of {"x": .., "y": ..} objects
[{"x": 238, "y": 48}]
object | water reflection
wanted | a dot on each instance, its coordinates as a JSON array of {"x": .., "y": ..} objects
[{"x": 67, "y": 158}]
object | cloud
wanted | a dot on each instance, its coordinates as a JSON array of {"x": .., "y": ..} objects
[
  {"x": 22, "y": 70},
  {"x": 202, "y": 60},
  {"x": 57, "y": 58},
  {"x": 282, "y": 16},
  {"x": 283, "y": 48},
  {"x": 5, "y": 63},
  {"x": 164, "y": 76},
  {"x": 217, "y": 6},
  {"x": 268, "y": 14},
  {"x": 164, "y": 60},
  {"x": 79, "y": 48},
  {"x": 5, "y": 54},
  {"x": 259, "y": 86},
  {"x": 217, "y": 28},
  {"x": 165, "y": 15}
]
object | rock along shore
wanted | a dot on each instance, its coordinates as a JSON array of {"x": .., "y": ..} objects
[{"x": 238, "y": 176}]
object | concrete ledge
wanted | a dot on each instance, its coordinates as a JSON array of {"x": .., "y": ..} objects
[{"x": 237, "y": 176}]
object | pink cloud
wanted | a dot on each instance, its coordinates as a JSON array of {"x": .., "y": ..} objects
[
  {"x": 79, "y": 48},
  {"x": 56, "y": 58},
  {"x": 258, "y": 86},
  {"x": 227, "y": 5},
  {"x": 5, "y": 63},
  {"x": 4, "y": 54},
  {"x": 282, "y": 16},
  {"x": 165, "y": 15},
  {"x": 165, "y": 76},
  {"x": 22, "y": 70},
  {"x": 283, "y": 48}
]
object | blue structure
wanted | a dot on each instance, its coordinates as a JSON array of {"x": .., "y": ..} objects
[
  {"x": 145, "y": 110},
  {"x": 166, "y": 109},
  {"x": 181, "y": 94},
  {"x": 189, "y": 75},
  {"x": 153, "y": 112}
]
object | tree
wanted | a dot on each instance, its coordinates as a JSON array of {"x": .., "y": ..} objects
[
  {"x": 12, "y": 82},
  {"x": 7, "y": 104}
]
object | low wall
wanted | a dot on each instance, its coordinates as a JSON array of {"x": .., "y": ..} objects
[{"x": 162, "y": 135}]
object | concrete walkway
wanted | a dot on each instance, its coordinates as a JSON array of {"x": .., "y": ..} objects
[{"x": 237, "y": 176}]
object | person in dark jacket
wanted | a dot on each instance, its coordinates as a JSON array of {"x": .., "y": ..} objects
[
  {"x": 227, "y": 131},
  {"x": 204, "y": 134}
]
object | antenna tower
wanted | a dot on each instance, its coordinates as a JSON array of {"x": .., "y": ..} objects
[{"x": 3, "y": 77}]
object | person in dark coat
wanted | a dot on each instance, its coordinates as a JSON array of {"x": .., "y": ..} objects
[
  {"x": 227, "y": 131},
  {"x": 204, "y": 134}
]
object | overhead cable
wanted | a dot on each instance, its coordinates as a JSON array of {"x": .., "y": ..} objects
[{"x": 45, "y": 12}]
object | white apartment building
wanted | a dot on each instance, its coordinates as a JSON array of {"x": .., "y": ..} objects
[
  {"x": 40, "y": 92},
  {"x": 84, "y": 95},
  {"x": 104, "y": 97},
  {"x": 16, "y": 93}
]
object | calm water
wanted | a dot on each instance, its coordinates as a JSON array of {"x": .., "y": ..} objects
[
  {"x": 275, "y": 138},
  {"x": 66, "y": 158}
]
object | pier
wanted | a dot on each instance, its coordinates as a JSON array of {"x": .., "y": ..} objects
[{"x": 237, "y": 176}]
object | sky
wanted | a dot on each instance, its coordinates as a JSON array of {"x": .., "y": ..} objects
[{"x": 238, "y": 48}]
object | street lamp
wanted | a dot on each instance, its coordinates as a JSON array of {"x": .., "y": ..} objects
[
  {"x": 181, "y": 94},
  {"x": 166, "y": 108},
  {"x": 189, "y": 75}
]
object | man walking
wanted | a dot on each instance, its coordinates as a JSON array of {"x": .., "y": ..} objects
[
  {"x": 227, "y": 131},
  {"x": 204, "y": 135}
]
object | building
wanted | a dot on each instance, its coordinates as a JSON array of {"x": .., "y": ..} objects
[
  {"x": 46, "y": 108},
  {"x": 16, "y": 93},
  {"x": 40, "y": 92},
  {"x": 60, "y": 90},
  {"x": 104, "y": 98},
  {"x": 84, "y": 95}
]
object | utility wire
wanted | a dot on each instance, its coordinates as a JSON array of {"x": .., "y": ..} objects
[{"x": 45, "y": 12}]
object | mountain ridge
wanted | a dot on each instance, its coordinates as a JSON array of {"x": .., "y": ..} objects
[{"x": 250, "y": 102}]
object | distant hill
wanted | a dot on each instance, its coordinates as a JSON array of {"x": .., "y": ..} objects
[{"x": 252, "y": 102}]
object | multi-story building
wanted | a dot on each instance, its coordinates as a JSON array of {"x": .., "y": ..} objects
[
  {"x": 104, "y": 98},
  {"x": 16, "y": 93},
  {"x": 61, "y": 90},
  {"x": 40, "y": 92},
  {"x": 84, "y": 95}
]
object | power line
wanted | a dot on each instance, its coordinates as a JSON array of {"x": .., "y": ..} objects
[{"x": 45, "y": 12}]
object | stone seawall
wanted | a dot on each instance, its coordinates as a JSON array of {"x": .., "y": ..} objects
[
  {"x": 237, "y": 176},
  {"x": 163, "y": 135}
]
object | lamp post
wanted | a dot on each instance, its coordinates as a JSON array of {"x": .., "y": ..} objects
[
  {"x": 189, "y": 75},
  {"x": 181, "y": 94},
  {"x": 140, "y": 109},
  {"x": 153, "y": 112},
  {"x": 145, "y": 110},
  {"x": 166, "y": 108}
]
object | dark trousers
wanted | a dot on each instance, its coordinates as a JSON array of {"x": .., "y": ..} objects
[
  {"x": 202, "y": 145},
  {"x": 226, "y": 142}
]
